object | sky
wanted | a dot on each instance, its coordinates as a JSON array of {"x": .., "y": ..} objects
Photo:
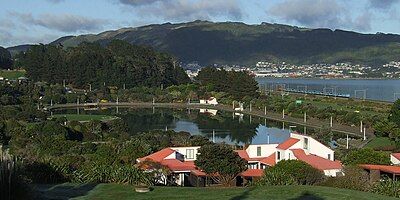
[{"x": 43, "y": 21}]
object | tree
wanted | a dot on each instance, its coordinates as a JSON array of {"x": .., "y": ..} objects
[
  {"x": 289, "y": 172},
  {"x": 220, "y": 162},
  {"x": 384, "y": 128},
  {"x": 394, "y": 115},
  {"x": 5, "y": 59},
  {"x": 366, "y": 156}
]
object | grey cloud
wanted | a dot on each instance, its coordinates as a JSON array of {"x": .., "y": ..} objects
[
  {"x": 192, "y": 10},
  {"x": 320, "y": 14},
  {"x": 308, "y": 12},
  {"x": 63, "y": 22},
  {"x": 382, "y": 4},
  {"x": 138, "y": 2}
]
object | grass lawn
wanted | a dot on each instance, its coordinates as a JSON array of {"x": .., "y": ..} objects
[
  {"x": 12, "y": 74},
  {"x": 379, "y": 142},
  {"x": 122, "y": 192},
  {"x": 84, "y": 117}
]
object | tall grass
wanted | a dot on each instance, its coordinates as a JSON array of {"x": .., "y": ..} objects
[{"x": 11, "y": 185}]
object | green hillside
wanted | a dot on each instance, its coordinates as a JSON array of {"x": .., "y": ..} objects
[{"x": 239, "y": 43}]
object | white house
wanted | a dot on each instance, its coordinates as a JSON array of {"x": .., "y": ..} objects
[
  {"x": 395, "y": 158},
  {"x": 210, "y": 101},
  {"x": 180, "y": 160}
]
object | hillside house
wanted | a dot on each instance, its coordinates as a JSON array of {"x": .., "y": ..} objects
[
  {"x": 395, "y": 158},
  {"x": 210, "y": 101},
  {"x": 180, "y": 160}
]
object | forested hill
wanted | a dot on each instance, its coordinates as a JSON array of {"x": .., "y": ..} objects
[
  {"x": 116, "y": 64},
  {"x": 239, "y": 43}
]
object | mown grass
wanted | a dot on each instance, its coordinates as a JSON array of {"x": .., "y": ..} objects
[
  {"x": 122, "y": 192},
  {"x": 84, "y": 117},
  {"x": 12, "y": 74},
  {"x": 380, "y": 142}
]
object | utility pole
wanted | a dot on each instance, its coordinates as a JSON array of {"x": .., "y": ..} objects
[
  {"x": 117, "y": 100},
  {"x": 268, "y": 138},
  {"x": 347, "y": 141},
  {"x": 364, "y": 134},
  {"x": 361, "y": 126},
  {"x": 213, "y": 136},
  {"x": 233, "y": 105},
  {"x": 250, "y": 107},
  {"x": 305, "y": 117},
  {"x": 265, "y": 110},
  {"x": 283, "y": 114},
  {"x": 331, "y": 121}
]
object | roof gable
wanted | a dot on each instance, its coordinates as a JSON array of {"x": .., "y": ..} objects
[
  {"x": 396, "y": 155},
  {"x": 159, "y": 155},
  {"x": 287, "y": 143}
]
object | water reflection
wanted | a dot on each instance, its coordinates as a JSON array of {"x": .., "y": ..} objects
[{"x": 218, "y": 126}]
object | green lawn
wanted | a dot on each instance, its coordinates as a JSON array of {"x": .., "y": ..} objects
[
  {"x": 122, "y": 192},
  {"x": 380, "y": 142},
  {"x": 84, "y": 117},
  {"x": 12, "y": 74}
]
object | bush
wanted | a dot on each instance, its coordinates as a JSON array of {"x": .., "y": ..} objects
[
  {"x": 366, "y": 156},
  {"x": 290, "y": 172},
  {"x": 355, "y": 179},
  {"x": 388, "y": 187}
]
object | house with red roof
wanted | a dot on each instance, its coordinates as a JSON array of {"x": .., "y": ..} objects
[
  {"x": 180, "y": 160},
  {"x": 395, "y": 158}
]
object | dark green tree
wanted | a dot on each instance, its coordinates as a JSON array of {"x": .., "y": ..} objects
[
  {"x": 5, "y": 59},
  {"x": 220, "y": 162},
  {"x": 366, "y": 156},
  {"x": 394, "y": 115}
]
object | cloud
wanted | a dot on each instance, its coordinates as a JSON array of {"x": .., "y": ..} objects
[
  {"x": 55, "y": 1},
  {"x": 382, "y": 4},
  {"x": 63, "y": 22},
  {"x": 187, "y": 10},
  {"x": 138, "y": 2},
  {"x": 320, "y": 14},
  {"x": 316, "y": 13}
]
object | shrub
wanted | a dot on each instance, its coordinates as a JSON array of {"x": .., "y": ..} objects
[
  {"x": 388, "y": 187},
  {"x": 289, "y": 172},
  {"x": 355, "y": 179}
]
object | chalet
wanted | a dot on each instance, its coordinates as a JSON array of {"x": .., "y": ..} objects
[{"x": 180, "y": 160}]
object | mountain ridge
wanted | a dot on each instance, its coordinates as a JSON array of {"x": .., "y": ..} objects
[{"x": 239, "y": 43}]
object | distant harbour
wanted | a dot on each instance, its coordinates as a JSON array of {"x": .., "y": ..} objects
[{"x": 372, "y": 89}]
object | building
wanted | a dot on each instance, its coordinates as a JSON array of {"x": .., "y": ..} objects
[
  {"x": 210, "y": 101},
  {"x": 395, "y": 158},
  {"x": 376, "y": 172},
  {"x": 180, "y": 160}
]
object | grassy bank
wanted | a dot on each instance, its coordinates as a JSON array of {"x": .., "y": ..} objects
[
  {"x": 84, "y": 117},
  {"x": 12, "y": 74},
  {"x": 121, "y": 192}
]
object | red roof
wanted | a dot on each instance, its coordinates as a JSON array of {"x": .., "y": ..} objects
[
  {"x": 158, "y": 156},
  {"x": 177, "y": 165},
  {"x": 211, "y": 98},
  {"x": 270, "y": 160},
  {"x": 242, "y": 154},
  {"x": 316, "y": 161},
  {"x": 287, "y": 143},
  {"x": 384, "y": 168},
  {"x": 252, "y": 173},
  {"x": 396, "y": 155}
]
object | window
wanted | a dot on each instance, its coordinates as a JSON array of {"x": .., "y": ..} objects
[
  {"x": 279, "y": 155},
  {"x": 329, "y": 156},
  {"x": 189, "y": 153},
  {"x": 305, "y": 143},
  {"x": 258, "y": 151},
  {"x": 289, "y": 156}
]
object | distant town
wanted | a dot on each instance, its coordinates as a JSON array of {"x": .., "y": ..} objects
[{"x": 286, "y": 70}]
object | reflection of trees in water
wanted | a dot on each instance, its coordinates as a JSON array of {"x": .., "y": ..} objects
[
  {"x": 223, "y": 122},
  {"x": 141, "y": 120}
]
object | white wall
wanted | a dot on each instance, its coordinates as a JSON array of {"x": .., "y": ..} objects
[
  {"x": 266, "y": 150},
  {"x": 332, "y": 172},
  {"x": 182, "y": 150},
  {"x": 314, "y": 147},
  {"x": 394, "y": 160}
]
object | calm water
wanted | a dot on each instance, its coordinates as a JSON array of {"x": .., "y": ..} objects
[
  {"x": 227, "y": 127},
  {"x": 383, "y": 90}
]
